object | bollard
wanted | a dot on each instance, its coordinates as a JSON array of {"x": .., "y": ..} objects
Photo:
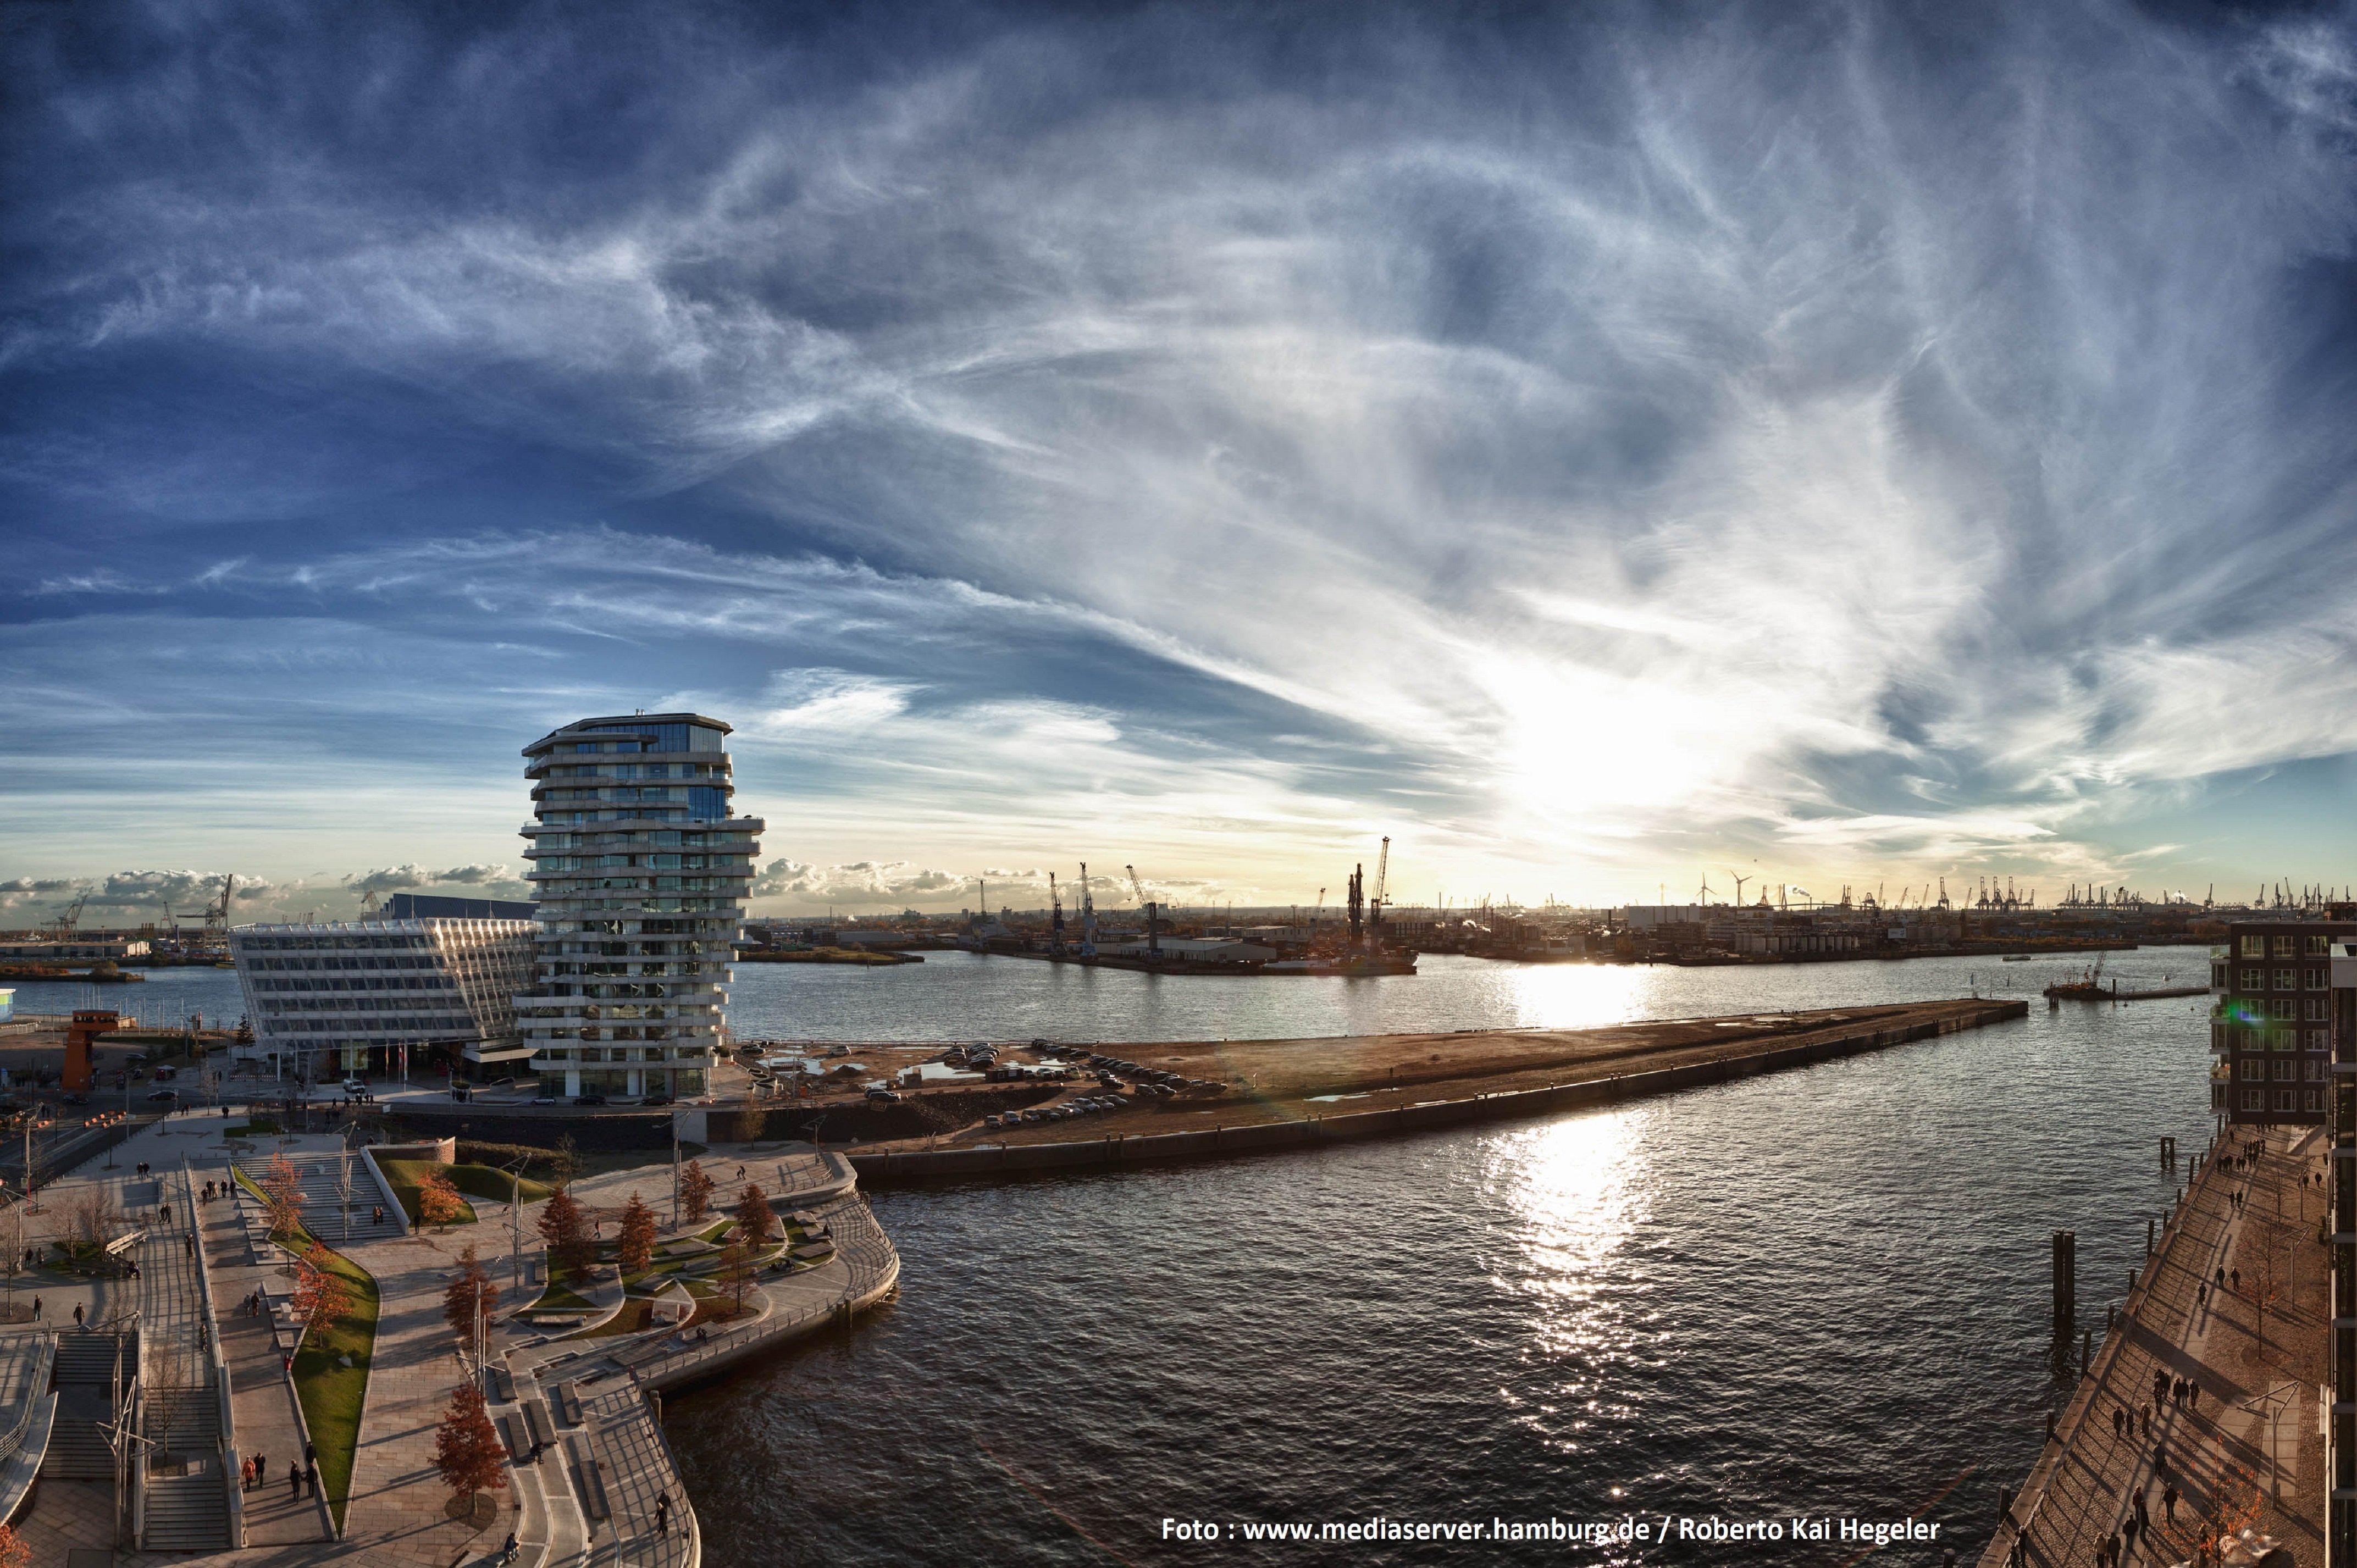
[
  {"x": 2066, "y": 1282},
  {"x": 2003, "y": 1502},
  {"x": 2111, "y": 1318},
  {"x": 2050, "y": 1426},
  {"x": 2147, "y": 1236}
]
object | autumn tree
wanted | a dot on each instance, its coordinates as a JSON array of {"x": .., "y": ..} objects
[
  {"x": 322, "y": 1299},
  {"x": 695, "y": 1191},
  {"x": 467, "y": 1447},
  {"x": 282, "y": 1194},
  {"x": 565, "y": 1229},
  {"x": 14, "y": 1552},
  {"x": 469, "y": 1292},
  {"x": 439, "y": 1202},
  {"x": 638, "y": 1238},
  {"x": 754, "y": 1220}
]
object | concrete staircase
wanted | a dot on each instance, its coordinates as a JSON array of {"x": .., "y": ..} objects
[
  {"x": 321, "y": 1178},
  {"x": 83, "y": 1376},
  {"x": 187, "y": 1513}
]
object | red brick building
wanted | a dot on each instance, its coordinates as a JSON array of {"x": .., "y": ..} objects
[{"x": 2271, "y": 1027}]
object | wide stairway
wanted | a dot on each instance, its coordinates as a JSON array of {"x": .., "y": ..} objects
[
  {"x": 321, "y": 1180},
  {"x": 83, "y": 1376},
  {"x": 187, "y": 1513}
]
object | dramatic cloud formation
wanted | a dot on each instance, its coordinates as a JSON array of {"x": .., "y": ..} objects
[
  {"x": 397, "y": 878},
  {"x": 1589, "y": 446}
]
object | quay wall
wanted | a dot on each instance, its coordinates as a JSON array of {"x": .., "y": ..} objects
[{"x": 886, "y": 1167}]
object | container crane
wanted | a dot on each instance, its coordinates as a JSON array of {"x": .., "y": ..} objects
[
  {"x": 70, "y": 918},
  {"x": 1153, "y": 911},
  {"x": 217, "y": 912},
  {"x": 1055, "y": 917},
  {"x": 1375, "y": 905}
]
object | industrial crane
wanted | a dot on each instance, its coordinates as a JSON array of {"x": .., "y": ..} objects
[
  {"x": 1375, "y": 905},
  {"x": 1055, "y": 917},
  {"x": 70, "y": 917},
  {"x": 216, "y": 913},
  {"x": 1153, "y": 926},
  {"x": 1087, "y": 915}
]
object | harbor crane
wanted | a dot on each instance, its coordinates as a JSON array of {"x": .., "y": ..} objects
[
  {"x": 1055, "y": 917},
  {"x": 70, "y": 918},
  {"x": 217, "y": 912},
  {"x": 1375, "y": 905},
  {"x": 1153, "y": 925},
  {"x": 1087, "y": 915}
]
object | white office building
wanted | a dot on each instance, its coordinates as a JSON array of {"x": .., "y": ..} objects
[
  {"x": 641, "y": 873},
  {"x": 372, "y": 997}
]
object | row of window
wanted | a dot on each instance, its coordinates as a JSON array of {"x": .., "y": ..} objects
[
  {"x": 299, "y": 965},
  {"x": 2315, "y": 978},
  {"x": 650, "y": 862},
  {"x": 439, "y": 1023},
  {"x": 660, "y": 838},
  {"x": 668, "y": 905},
  {"x": 639, "y": 770},
  {"x": 2286, "y": 1068},
  {"x": 340, "y": 985},
  {"x": 2235, "y": 1038},
  {"x": 622, "y": 1054},
  {"x": 2311, "y": 1099},
  {"x": 2315, "y": 944}
]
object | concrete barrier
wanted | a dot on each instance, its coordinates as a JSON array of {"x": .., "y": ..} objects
[{"x": 886, "y": 1167}]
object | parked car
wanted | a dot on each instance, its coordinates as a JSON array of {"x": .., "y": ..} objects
[
  {"x": 165, "y": 1096},
  {"x": 545, "y": 1097},
  {"x": 589, "y": 1099},
  {"x": 656, "y": 1099},
  {"x": 355, "y": 1086},
  {"x": 879, "y": 1093}
]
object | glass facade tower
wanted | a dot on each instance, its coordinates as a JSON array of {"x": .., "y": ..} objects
[{"x": 642, "y": 874}]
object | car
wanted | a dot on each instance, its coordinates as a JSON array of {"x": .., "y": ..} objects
[
  {"x": 879, "y": 1093},
  {"x": 545, "y": 1097},
  {"x": 589, "y": 1099},
  {"x": 993, "y": 1121},
  {"x": 76, "y": 1099},
  {"x": 165, "y": 1096},
  {"x": 461, "y": 1091},
  {"x": 354, "y": 1086},
  {"x": 656, "y": 1099}
]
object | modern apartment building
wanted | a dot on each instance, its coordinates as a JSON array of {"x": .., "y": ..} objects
[
  {"x": 372, "y": 996},
  {"x": 2271, "y": 1027},
  {"x": 641, "y": 873}
]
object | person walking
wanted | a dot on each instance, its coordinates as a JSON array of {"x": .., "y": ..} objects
[
  {"x": 2168, "y": 1502},
  {"x": 294, "y": 1481},
  {"x": 77, "y": 1314},
  {"x": 311, "y": 1479},
  {"x": 2143, "y": 1512},
  {"x": 260, "y": 1471},
  {"x": 36, "y": 1309},
  {"x": 2221, "y": 1276},
  {"x": 663, "y": 1512},
  {"x": 2234, "y": 1276}
]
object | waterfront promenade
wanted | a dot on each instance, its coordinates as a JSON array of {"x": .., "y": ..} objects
[{"x": 2245, "y": 1451}]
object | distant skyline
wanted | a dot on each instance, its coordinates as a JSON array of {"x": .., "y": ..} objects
[{"x": 1596, "y": 447}]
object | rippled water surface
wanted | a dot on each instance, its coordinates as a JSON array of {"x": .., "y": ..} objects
[{"x": 1821, "y": 1291}]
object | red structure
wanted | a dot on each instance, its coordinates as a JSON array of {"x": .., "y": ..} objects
[{"x": 81, "y": 1040}]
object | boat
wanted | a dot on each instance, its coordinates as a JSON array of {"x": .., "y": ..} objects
[{"x": 2015, "y": 958}]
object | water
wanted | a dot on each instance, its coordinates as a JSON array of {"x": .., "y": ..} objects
[{"x": 1818, "y": 1292}]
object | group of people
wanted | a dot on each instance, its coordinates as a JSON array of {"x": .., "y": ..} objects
[{"x": 254, "y": 1472}]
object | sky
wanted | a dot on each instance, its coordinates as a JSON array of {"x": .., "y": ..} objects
[{"x": 1601, "y": 448}]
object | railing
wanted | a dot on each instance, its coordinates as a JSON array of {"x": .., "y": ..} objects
[
  {"x": 14, "y": 1438},
  {"x": 226, "y": 1444}
]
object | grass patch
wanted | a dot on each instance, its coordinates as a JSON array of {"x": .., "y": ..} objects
[
  {"x": 260, "y": 1127},
  {"x": 408, "y": 1175},
  {"x": 562, "y": 1299},
  {"x": 332, "y": 1394},
  {"x": 636, "y": 1317},
  {"x": 493, "y": 1185}
]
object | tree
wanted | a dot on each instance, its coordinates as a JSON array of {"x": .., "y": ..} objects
[
  {"x": 469, "y": 1292},
  {"x": 735, "y": 1273},
  {"x": 467, "y": 1448},
  {"x": 638, "y": 1238},
  {"x": 282, "y": 1194},
  {"x": 322, "y": 1299},
  {"x": 439, "y": 1202},
  {"x": 566, "y": 1230},
  {"x": 695, "y": 1191},
  {"x": 754, "y": 1219},
  {"x": 14, "y": 1552}
]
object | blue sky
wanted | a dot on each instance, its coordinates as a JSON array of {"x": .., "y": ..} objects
[{"x": 1597, "y": 446}]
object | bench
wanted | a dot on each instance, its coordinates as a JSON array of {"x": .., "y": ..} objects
[
  {"x": 535, "y": 1415},
  {"x": 593, "y": 1482}
]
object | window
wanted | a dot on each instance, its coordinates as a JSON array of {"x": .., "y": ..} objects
[
  {"x": 2282, "y": 1007},
  {"x": 2255, "y": 1100},
  {"x": 2320, "y": 947},
  {"x": 2319, "y": 1040},
  {"x": 2315, "y": 979},
  {"x": 2286, "y": 1097},
  {"x": 2255, "y": 947},
  {"x": 2315, "y": 1073},
  {"x": 2286, "y": 980},
  {"x": 2255, "y": 979},
  {"x": 2254, "y": 1067},
  {"x": 2283, "y": 947},
  {"x": 2313, "y": 1009},
  {"x": 2286, "y": 1068},
  {"x": 2316, "y": 1099}
]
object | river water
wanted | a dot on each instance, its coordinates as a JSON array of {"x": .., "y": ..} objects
[{"x": 1816, "y": 1292}]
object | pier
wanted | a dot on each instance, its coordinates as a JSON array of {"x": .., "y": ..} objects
[{"x": 2245, "y": 1452}]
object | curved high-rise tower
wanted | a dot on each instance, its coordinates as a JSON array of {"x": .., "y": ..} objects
[{"x": 641, "y": 873}]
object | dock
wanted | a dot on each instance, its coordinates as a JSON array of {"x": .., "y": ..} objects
[{"x": 2243, "y": 1454}]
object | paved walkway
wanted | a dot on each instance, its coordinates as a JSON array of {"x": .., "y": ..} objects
[{"x": 2245, "y": 1450}]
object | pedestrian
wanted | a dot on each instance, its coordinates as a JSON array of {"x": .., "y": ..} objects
[
  {"x": 2201, "y": 1295},
  {"x": 189, "y": 1243},
  {"x": 2222, "y": 1278},
  {"x": 293, "y": 1480},
  {"x": 2143, "y": 1512},
  {"x": 310, "y": 1452},
  {"x": 311, "y": 1479},
  {"x": 77, "y": 1314},
  {"x": 2168, "y": 1502},
  {"x": 663, "y": 1512},
  {"x": 2116, "y": 1423},
  {"x": 246, "y": 1473},
  {"x": 2160, "y": 1459},
  {"x": 260, "y": 1471},
  {"x": 2145, "y": 1411},
  {"x": 2235, "y": 1277},
  {"x": 2192, "y": 1393}
]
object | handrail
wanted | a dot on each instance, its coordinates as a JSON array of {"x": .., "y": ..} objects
[
  {"x": 14, "y": 1438},
  {"x": 227, "y": 1441}
]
